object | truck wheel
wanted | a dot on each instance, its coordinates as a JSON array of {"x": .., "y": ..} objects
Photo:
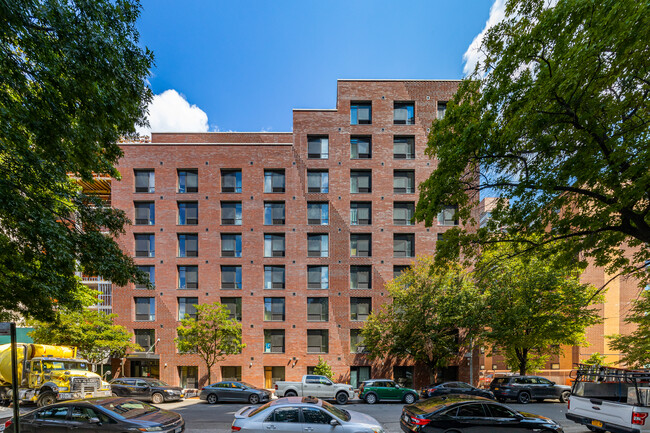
[
  {"x": 341, "y": 398},
  {"x": 290, "y": 394},
  {"x": 523, "y": 397},
  {"x": 157, "y": 398},
  {"x": 371, "y": 398},
  {"x": 212, "y": 398},
  {"x": 409, "y": 398},
  {"x": 565, "y": 396},
  {"x": 46, "y": 398}
]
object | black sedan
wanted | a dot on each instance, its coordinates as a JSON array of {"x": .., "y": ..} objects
[
  {"x": 234, "y": 391},
  {"x": 460, "y": 413},
  {"x": 111, "y": 414},
  {"x": 454, "y": 388},
  {"x": 143, "y": 388}
]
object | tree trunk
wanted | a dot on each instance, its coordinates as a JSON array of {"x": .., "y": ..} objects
[{"x": 522, "y": 356}]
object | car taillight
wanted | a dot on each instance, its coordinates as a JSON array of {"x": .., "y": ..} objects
[
  {"x": 8, "y": 423},
  {"x": 276, "y": 386},
  {"x": 419, "y": 421},
  {"x": 638, "y": 418},
  {"x": 235, "y": 428},
  {"x": 568, "y": 404}
]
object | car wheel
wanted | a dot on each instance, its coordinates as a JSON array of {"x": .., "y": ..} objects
[
  {"x": 157, "y": 398},
  {"x": 341, "y": 398},
  {"x": 254, "y": 399},
  {"x": 523, "y": 397},
  {"x": 290, "y": 394},
  {"x": 212, "y": 398},
  {"x": 371, "y": 398},
  {"x": 114, "y": 394},
  {"x": 46, "y": 398},
  {"x": 565, "y": 396},
  {"x": 409, "y": 398}
]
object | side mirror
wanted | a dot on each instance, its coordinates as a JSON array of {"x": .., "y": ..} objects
[
  {"x": 334, "y": 423},
  {"x": 397, "y": 385},
  {"x": 93, "y": 421}
]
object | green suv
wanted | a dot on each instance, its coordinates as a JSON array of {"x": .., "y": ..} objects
[{"x": 374, "y": 390}]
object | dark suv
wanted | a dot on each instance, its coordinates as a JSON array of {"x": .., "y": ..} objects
[
  {"x": 523, "y": 389},
  {"x": 143, "y": 388}
]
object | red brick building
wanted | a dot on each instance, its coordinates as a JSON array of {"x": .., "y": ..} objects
[{"x": 296, "y": 232}]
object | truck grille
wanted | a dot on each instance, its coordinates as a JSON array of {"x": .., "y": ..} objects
[{"x": 84, "y": 384}]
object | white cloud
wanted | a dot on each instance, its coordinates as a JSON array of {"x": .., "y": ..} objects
[
  {"x": 170, "y": 112},
  {"x": 473, "y": 56}
]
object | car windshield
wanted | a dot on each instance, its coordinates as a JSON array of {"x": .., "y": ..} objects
[
  {"x": 64, "y": 365},
  {"x": 156, "y": 382},
  {"x": 259, "y": 409},
  {"x": 129, "y": 409},
  {"x": 339, "y": 413}
]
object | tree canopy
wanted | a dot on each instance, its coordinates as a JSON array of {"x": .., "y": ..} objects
[
  {"x": 556, "y": 120},
  {"x": 73, "y": 81},
  {"x": 636, "y": 346}
]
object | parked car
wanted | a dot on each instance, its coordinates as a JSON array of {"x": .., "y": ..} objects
[
  {"x": 315, "y": 386},
  {"x": 455, "y": 388},
  {"x": 144, "y": 388},
  {"x": 302, "y": 414},
  {"x": 234, "y": 391},
  {"x": 105, "y": 414},
  {"x": 523, "y": 389},
  {"x": 460, "y": 414},
  {"x": 374, "y": 390}
]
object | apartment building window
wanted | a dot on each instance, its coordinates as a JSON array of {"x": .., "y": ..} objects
[
  {"x": 231, "y": 245},
  {"x": 360, "y": 148},
  {"x": 145, "y": 181},
  {"x": 231, "y": 213},
  {"x": 188, "y": 181},
  {"x": 317, "y": 147},
  {"x": 234, "y": 306},
  {"x": 231, "y": 374},
  {"x": 274, "y": 277},
  {"x": 274, "y": 213},
  {"x": 318, "y": 277},
  {"x": 274, "y": 309},
  {"x": 403, "y": 213},
  {"x": 317, "y": 245},
  {"x": 404, "y": 113},
  {"x": 145, "y": 213},
  {"x": 145, "y": 309},
  {"x": 360, "y": 308},
  {"x": 360, "y": 213},
  {"x": 274, "y": 245},
  {"x": 188, "y": 213},
  {"x": 404, "y": 245},
  {"x": 361, "y": 113},
  {"x": 360, "y": 245},
  {"x": 231, "y": 277},
  {"x": 361, "y": 277},
  {"x": 145, "y": 338},
  {"x": 448, "y": 216},
  {"x": 188, "y": 277},
  {"x": 360, "y": 181},
  {"x": 442, "y": 109},
  {"x": 317, "y": 309},
  {"x": 404, "y": 147},
  {"x": 230, "y": 180},
  {"x": 356, "y": 341},
  {"x": 274, "y": 341},
  {"x": 145, "y": 245},
  {"x": 317, "y": 341},
  {"x": 274, "y": 181},
  {"x": 318, "y": 213},
  {"x": 318, "y": 181},
  {"x": 187, "y": 308},
  {"x": 404, "y": 181},
  {"x": 188, "y": 245},
  {"x": 440, "y": 236},
  {"x": 399, "y": 269},
  {"x": 151, "y": 272}
]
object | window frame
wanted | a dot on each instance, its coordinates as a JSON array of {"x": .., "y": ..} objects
[
  {"x": 410, "y": 114},
  {"x": 360, "y": 270},
  {"x": 323, "y": 334},
  {"x": 238, "y": 210},
  {"x": 354, "y": 112},
  {"x": 225, "y": 174},
  {"x": 355, "y": 175},
  {"x": 185, "y": 273},
  {"x": 235, "y": 284},
  {"x": 274, "y": 173},
  {"x": 151, "y": 213},
  {"x": 182, "y": 187}
]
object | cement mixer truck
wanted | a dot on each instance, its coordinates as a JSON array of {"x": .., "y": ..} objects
[{"x": 47, "y": 374}]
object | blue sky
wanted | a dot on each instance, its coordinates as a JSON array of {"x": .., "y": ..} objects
[{"x": 244, "y": 65}]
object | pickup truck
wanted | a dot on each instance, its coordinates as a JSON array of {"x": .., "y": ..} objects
[
  {"x": 611, "y": 399},
  {"x": 315, "y": 386}
]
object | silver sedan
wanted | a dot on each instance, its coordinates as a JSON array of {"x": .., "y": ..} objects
[{"x": 303, "y": 414}]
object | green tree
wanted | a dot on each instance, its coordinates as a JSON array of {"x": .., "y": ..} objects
[
  {"x": 532, "y": 307},
  {"x": 73, "y": 81},
  {"x": 432, "y": 316},
  {"x": 636, "y": 346},
  {"x": 92, "y": 332},
  {"x": 212, "y": 335},
  {"x": 596, "y": 359},
  {"x": 556, "y": 119},
  {"x": 323, "y": 369}
]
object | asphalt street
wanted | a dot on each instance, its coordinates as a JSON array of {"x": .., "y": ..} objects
[{"x": 201, "y": 417}]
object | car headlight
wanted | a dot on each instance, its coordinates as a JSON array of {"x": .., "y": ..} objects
[
  {"x": 149, "y": 429},
  {"x": 63, "y": 388}
]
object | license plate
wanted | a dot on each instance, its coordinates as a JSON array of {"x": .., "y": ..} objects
[
  {"x": 596, "y": 423},
  {"x": 405, "y": 418},
  {"x": 178, "y": 430}
]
